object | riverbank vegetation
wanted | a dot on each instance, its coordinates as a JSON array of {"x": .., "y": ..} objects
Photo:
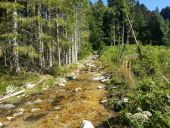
[
  {"x": 144, "y": 83},
  {"x": 133, "y": 44}
]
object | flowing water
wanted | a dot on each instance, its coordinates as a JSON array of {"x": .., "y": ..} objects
[{"x": 63, "y": 107}]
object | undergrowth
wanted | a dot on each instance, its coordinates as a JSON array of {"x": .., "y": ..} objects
[{"x": 140, "y": 87}]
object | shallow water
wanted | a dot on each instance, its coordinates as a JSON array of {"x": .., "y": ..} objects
[{"x": 71, "y": 107}]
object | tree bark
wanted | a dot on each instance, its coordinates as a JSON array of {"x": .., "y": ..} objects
[
  {"x": 40, "y": 42},
  {"x": 58, "y": 44},
  {"x": 16, "y": 67}
]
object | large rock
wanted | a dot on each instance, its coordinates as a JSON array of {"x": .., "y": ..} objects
[
  {"x": 10, "y": 118},
  {"x": 98, "y": 78},
  {"x": 72, "y": 76},
  {"x": 87, "y": 124},
  {"x": 7, "y": 106},
  {"x": 1, "y": 124}
]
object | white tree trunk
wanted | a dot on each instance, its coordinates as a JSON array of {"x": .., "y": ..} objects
[
  {"x": 40, "y": 42},
  {"x": 73, "y": 50},
  {"x": 50, "y": 56},
  {"x": 58, "y": 44},
  {"x": 16, "y": 67},
  {"x": 69, "y": 56}
]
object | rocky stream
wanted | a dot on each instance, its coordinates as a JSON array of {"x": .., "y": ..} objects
[{"x": 82, "y": 97}]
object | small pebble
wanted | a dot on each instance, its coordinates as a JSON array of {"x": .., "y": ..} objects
[
  {"x": 103, "y": 101},
  {"x": 57, "y": 107},
  {"x": 78, "y": 89},
  {"x": 18, "y": 114},
  {"x": 21, "y": 110},
  {"x": 100, "y": 87},
  {"x": 35, "y": 109},
  {"x": 10, "y": 118},
  {"x": 1, "y": 124}
]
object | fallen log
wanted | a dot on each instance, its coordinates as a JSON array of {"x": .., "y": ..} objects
[{"x": 12, "y": 95}]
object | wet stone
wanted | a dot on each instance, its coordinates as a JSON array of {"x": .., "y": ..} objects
[
  {"x": 103, "y": 101},
  {"x": 1, "y": 124},
  {"x": 21, "y": 110},
  {"x": 18, "y": 114},
  {"x": 10, "y": 118},
  {"x": 78, "y": 89},
  {"x": 58, "y": 107},
  {"x": 7, "y": 106},
  {"x": 100, "y": 87},
  {"x": 35, "y": 110}
]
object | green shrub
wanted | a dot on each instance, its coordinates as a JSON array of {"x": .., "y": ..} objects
[{"x": 151, "y": 91}]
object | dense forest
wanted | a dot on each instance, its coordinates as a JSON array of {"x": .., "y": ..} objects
[
  {"x": 59, "y": 52},
  {"x": 110, "y": 25},
  {"x": 39, "y": 34}
]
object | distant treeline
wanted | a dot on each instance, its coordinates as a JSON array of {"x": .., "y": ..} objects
[{"x": 110, "y": 25}]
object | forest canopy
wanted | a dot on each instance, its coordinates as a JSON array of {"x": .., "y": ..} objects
[
  {"x": 110, "y": 23},
  {"x": 38, "y": 34}
]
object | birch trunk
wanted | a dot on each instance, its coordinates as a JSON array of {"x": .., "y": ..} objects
[
  {"x": 50, "y": 55},
  {"x": 58, "y": 44},
  {"x": 16, "y": 67},
  {"x": 40, "y": 42},
  {"x": 75, "y": 37},
  {"x": 73, "y": 50},
  {"x": 69, "y": 56}
]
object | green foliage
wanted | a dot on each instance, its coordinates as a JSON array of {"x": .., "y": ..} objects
[
  {"x": 164, "y": 61},
  {"x": 10, "y": 6},
  {"x": 165, "y": 13},
  {"x": 150, "y": 91},
  {"x": 57, "y": 71},
  {"x": 96, "y": 22},
  {"x": 17, "y": 80},
  {"x": 28, "y": 51},
  {"x": 61, "y": 71},
  {"x": 85, "y": 51}
]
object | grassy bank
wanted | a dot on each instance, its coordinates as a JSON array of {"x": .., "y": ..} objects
[
  {"x": 48, "y": 78},
  {"x": 140, "y": 87}
]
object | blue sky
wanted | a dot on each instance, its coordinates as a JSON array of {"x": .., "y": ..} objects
[{"x": 151, "y": 4}]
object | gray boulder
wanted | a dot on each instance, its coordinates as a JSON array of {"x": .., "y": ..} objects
[{"x": 7, "y": 106}]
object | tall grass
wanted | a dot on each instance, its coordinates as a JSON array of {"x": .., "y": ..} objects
[{"x": 144, "y": 82}]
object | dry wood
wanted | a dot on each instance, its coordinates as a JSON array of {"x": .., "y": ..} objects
[{"x": 12, "y": 95}]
